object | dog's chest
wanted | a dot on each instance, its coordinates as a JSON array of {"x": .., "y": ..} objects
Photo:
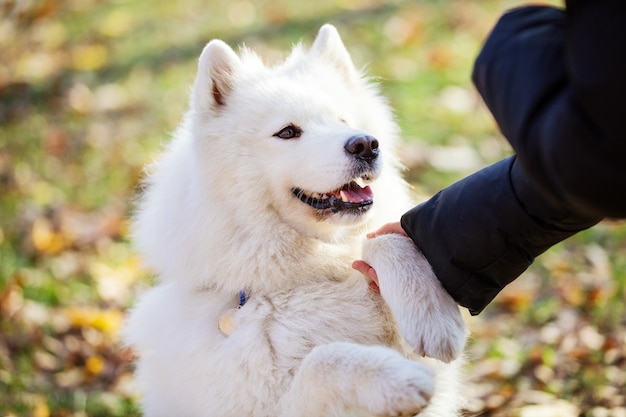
[{"x": 288, "y": 324}]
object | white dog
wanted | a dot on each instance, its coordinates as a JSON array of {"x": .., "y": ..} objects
[{"x": 251, "y": 221}]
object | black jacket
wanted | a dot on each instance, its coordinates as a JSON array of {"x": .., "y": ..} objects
[{"x": 555, "y": 82}]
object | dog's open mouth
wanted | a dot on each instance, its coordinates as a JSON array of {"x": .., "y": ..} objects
[{"x": 351, "y": 196}]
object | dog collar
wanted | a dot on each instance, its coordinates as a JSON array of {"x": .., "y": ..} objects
[
  {"x": 242, "y": 298},
  {"x": 226, "y": 322}
]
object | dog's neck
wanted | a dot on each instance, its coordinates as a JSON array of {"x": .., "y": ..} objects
[
  {"x": 269, "y": 255},
  {"x": 282, "y": 258}
]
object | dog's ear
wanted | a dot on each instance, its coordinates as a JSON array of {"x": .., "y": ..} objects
[
  {"x": 217, "y": 68},
  {"x": 329, "y": 46}
]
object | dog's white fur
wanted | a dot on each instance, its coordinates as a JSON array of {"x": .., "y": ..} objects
[{"x": 218, "y": 215}]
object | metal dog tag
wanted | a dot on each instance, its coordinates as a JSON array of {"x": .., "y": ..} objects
[{"x": 226, "y": 322}]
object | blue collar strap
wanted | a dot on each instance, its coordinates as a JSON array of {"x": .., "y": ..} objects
[{"x": 242, "y": 298}]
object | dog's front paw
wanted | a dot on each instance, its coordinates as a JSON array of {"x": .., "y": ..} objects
[
  {"x": 427, "y": 316},
  {"x": 399, "y": 388}
]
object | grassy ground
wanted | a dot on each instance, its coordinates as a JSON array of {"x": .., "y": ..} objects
[{"x": 89, "y": 91}]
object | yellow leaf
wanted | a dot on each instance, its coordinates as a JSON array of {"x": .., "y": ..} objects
[
  {"x": 41, "y": 410},
  {"x": 94, "y": 365},
  {"x": 79, "y": 317},
  {"x": 45, "y": 239},
  {"x": 89, "y": 57},
  {"x": 116, "y": 23},
  {"x": 107, "y": 321}
]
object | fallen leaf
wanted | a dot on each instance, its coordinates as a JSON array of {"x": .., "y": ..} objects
[
  {"x": 95, "y": 365},
  {"x": 44, "y": 238},
  {"x": 41, "y": 409},
  {"x": 89, "y": 57},
  {"x": 559, "y": 408}
]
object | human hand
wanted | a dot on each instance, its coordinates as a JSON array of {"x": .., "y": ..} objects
[
  {"x": 369, "y": 272},
  {"x": 387, "y": 229},
  {"x": 365, "y": 268}
]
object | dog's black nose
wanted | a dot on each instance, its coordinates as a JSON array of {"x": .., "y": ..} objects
[{"x": 363, "y": 147}]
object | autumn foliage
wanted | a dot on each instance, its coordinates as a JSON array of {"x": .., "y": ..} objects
[{"x": 89, "y": 91}]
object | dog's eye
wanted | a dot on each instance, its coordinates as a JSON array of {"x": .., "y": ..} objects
[{"x": 289, "y": 132}]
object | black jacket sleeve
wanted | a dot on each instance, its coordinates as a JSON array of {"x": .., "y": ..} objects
[{"x": 555, "y": 82}]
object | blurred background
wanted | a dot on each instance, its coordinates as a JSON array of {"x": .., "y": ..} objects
[{"x": 90, "y": 91}]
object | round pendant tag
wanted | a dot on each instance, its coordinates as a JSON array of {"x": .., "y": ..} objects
[{"x": 226, "y": 322}]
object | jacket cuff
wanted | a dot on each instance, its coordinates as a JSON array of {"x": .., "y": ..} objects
[{"x": 484, "y": 231}]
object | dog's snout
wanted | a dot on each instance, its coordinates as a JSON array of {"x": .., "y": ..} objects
[{"x": 362, "y": 147}]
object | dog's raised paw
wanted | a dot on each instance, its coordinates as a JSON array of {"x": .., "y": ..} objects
[{"x": 427, "y": 316}]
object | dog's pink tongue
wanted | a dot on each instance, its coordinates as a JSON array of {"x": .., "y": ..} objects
[{"x": 356, "y": 194}]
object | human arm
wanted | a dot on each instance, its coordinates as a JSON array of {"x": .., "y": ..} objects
[{"x": 555, "y": 84}]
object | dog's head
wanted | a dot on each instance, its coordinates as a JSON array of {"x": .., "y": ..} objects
[{"x": 309, "y": 138}]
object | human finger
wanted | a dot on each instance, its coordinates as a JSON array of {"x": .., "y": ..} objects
[
  {"x": 364, "y": 268},
  {"x": 387, "y": 229}
]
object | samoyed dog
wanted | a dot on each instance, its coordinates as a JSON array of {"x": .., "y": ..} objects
[{"x": 251, "y": 221}]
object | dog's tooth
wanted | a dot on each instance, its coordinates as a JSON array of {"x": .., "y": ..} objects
[
  {"x": 363, "y": 181},
  {"x": 344, "y": 198}
]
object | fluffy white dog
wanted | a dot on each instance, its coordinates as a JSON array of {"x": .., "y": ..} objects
[{"x": 251, "y": 220}]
